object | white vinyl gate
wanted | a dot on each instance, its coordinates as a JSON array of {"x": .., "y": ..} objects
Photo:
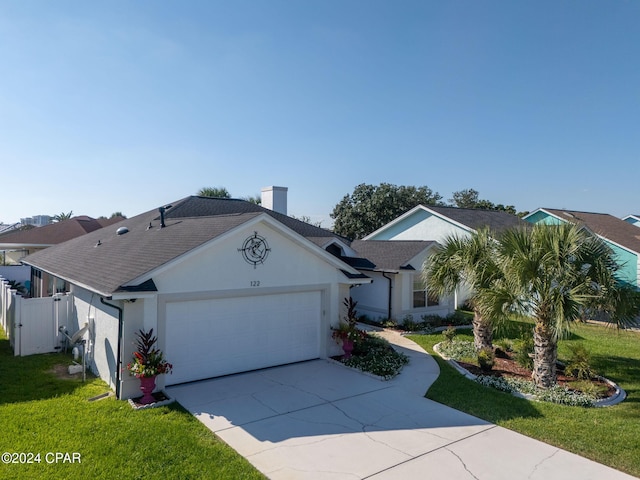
[{"x": 32, "y": 323}]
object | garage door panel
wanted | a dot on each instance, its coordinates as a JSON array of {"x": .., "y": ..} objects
[{"x": 208, "y": 338}]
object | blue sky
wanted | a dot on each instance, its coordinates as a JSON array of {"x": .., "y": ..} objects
[{"x": 125, "y": 106}]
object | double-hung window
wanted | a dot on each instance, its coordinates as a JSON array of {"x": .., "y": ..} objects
[{"x": 421, "y": 297}]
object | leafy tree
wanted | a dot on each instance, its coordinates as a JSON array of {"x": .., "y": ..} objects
[
  {"x": 470, "y": 262},
  {"x": 370, "y": 207},
  {"x": 470, "y": 198},
  {"x": 218, "y": 192},
  {"x": 62, "y": 216},
  {"x": 465, "y": 198},
  {"x": 555, "y": 273},
  {"x": 307, "y": 219},
  {"x": 257, "y": 199},
  {"x": 118, "y": 214}
]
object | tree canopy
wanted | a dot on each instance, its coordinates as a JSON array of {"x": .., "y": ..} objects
[
  {"x": 370, "y": 207},
  {"x": 219, "y": 192},
  {"x": 257, "y": 199},
  {"x": 470, "y": 198}
]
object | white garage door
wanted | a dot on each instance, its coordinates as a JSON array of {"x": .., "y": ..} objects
[{"x": 209, "y": 338}]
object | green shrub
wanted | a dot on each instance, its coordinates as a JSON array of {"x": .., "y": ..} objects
[
  {"x": 432, "y": 320},
  {"x": 579, "y": 364},
  {"x": 460, "y": 317},
  {"x": 524, "y": 350},
  {"x": 486, "y": 359},
  {"x": 589, "y": 388},
  {"x": 449, "y": 334},
  {"x": 409, "y": 324},
  {"x": 505, "y": 344},
  {"x": 389, "y": 323},
  {"x": 375, "y": 355},
  {"x": 462, "y": 350}
]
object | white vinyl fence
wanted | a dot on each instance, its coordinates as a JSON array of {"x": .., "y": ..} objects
[{"x": 32, "y": 324}]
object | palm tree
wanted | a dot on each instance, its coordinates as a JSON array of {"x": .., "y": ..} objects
[
  {"x": 555, "y": 273},
  {"x": 467, "y": 262},
  {"x": 62, "y": 216},
  {"x": 219, "y": 192}
]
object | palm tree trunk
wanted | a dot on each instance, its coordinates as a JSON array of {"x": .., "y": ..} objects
[
  {"x": 545, "y": 355},
  {"x": 482, "y": 332}
]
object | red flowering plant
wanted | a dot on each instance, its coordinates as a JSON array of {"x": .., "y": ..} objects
[
  {"x": 347, "y": 330},
  {"x": 148, "y": 361}
]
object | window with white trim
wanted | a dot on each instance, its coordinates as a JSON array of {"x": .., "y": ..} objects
[{"x": 421, "y": 297}]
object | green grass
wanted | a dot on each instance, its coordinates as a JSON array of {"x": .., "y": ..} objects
[
  {"x": 40, "y": 413},
  {"x": 610, "y": 436}
]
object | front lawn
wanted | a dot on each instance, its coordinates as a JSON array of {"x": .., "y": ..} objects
[
  {"x": 43, "y": 414},
  {"x": 607, "y": 435}
]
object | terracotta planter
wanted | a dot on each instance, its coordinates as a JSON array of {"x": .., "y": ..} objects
[
  {"x": 147, "y": 384},
  {"x": 347, "y": 346}
]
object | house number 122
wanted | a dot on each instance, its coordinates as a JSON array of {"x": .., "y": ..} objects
[{"x": 255, "y": 283}]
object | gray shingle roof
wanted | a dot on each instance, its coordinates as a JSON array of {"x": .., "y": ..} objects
[
  {"x": 390, "y": 255},
  {"x": 605, "y": 225},
  {"x": 119, "y": 260},
  {"x": 55, "y": 233},
  {"x": 495, "y": 220}
]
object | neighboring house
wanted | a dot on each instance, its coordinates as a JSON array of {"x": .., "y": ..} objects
[
  {"x": 622, "y": 237},
  {"x": 17, "y": 244},
  {"x": 633, "y": 220},
  {"x": 398, "y": 289},
  {"x": 436, "y": 224},
  {"x": 6, "y": 228},
  {"x": 228, "y": 286}
]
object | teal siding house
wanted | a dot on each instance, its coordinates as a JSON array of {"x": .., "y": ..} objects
[
  {"x": 633, "y": 220},
  {"x": 620, "y": 235}
]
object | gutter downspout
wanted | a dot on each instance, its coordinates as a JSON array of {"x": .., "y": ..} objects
[
  {"x": 119, "y": 360},
  {"x": 384, "y": 274}
]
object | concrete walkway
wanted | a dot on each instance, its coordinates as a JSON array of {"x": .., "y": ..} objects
[{"x": 321, "y": 420}]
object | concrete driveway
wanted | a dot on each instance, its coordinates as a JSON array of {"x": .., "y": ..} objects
[{"x": 321, "y": 420}]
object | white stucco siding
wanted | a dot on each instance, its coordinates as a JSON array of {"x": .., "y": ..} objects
[
  {"x": 446, "y": 303},
  {"x": 444, "y": 307},
  {"x": 218, "y": 279},
  {"x": 220, "y": 266},
  {"x": 373, "y": 299},
  {"x": 102, "y": 348}
]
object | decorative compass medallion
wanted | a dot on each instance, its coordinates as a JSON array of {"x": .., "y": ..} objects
[{"x": 255, "y": 249}]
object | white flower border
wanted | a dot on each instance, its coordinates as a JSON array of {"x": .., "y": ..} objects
[{"x": 616, "y": 398}]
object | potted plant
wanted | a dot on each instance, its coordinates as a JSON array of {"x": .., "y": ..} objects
[
  {"x": 148, "y": 362},
  {"x": 347, "y": 332}
]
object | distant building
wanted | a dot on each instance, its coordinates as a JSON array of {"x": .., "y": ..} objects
[{"x": 37, "y": 220}]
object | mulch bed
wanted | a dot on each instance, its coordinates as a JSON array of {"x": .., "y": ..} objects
[{"x": 508, "y": 367}]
